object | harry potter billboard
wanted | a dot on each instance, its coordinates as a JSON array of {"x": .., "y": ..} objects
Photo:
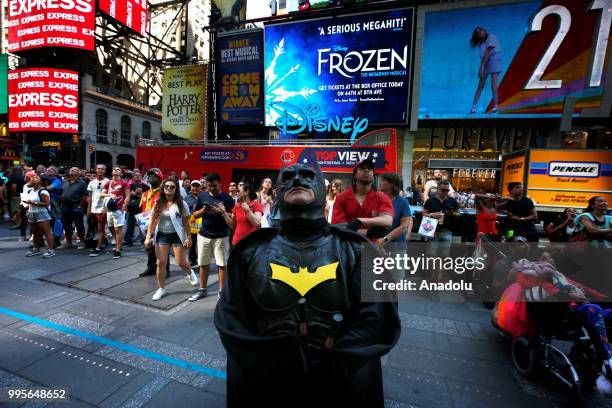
[{"x": 184, "y": 102}]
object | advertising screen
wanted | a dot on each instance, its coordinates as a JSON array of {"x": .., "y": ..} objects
[
  {"x": 514, "y": 172},
  {"x": 338, "y": 74},
  {"x": 130, "y": 13},
  {"x": 184, "y": 102},
  {"x": 514, "y": 60},
  {"x": 3, "y": 83},
  {"x": 241, "y": 78},
  {"x": 43, "y": 99},
  {"x": 568, "y": 178},
  {"x": 49, "y": 23}
]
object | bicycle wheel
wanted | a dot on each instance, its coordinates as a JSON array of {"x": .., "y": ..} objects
[{"x": 523, "y": 356}]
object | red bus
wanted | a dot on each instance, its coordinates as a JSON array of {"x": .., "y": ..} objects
[{"x": 253, "y": 163}]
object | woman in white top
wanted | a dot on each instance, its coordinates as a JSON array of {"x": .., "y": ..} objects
[
  {"x": 490, "y": 63},
  {"x": 39, "y": 217},
  {"x": 264, "y": 195},
  {"x": 335, "y": 188},
  {"x": 170, "y": 227}
]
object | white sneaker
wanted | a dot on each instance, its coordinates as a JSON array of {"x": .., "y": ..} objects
[
  {"x": 49, "y": 254},
  {"x": 193, "y": 279},
  {"x": 159, "y": 293}
]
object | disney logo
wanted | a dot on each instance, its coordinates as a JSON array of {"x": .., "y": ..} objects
[
  {"x": 294, "y": 120},
  {"x": 340, "y": 48}
]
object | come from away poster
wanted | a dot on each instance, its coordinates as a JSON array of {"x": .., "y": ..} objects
[{"x": 240, "y": 78}]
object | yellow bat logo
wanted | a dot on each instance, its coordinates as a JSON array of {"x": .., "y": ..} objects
[{"x": 303, "y": 280}]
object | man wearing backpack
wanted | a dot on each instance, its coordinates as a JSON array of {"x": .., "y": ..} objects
[{"x": 118, "y": 191}]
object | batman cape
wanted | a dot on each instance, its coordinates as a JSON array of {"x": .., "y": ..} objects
[{"x": 290, "y": 316}]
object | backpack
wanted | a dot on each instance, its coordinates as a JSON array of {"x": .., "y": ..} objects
[{"x": 53, "y": 207}]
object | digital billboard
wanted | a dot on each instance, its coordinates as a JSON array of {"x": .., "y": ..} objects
[
  {"x": 339, "y": 73},
  {"x": 184, "y": 102},
  {"x": 43, "y": 99},
  {"x": 3, "y": 84},
  {"x": 130, "y": 13},
  {"x": 514, "y": 60},
  {"x": 51, "y": 23},
  {"x": 240, "y": 76}
]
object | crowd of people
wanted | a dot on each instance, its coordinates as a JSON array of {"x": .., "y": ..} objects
[{"x": 197, "y": 222}]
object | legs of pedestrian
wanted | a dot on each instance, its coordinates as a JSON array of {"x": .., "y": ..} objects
[
  {"x": 67, "y": 220},
  {"x": 193, "y": 252},
  {"x": 130, "y": 223},
  {"x": 180, "y": 254},
  {"x": 45, "y": 229},
  {"x": 80, "y": 227},
  {"x": 101, "y": 218},
  {"x": 161, "y": 253}
]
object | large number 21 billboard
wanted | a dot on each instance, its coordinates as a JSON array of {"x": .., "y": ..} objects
[{"x": 515, "y": 60}]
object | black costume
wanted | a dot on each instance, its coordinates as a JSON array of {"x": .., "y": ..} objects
[{"x": 290, "y": 317}]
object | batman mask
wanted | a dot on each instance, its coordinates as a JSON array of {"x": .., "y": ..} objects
[{"x": 301, "y": 176}]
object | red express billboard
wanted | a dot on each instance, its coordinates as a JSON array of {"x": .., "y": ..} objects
[
  {"x": 43, "y": 99},
  {"x": 51, "y": 23},
  {"x": 130, "y": 13}
]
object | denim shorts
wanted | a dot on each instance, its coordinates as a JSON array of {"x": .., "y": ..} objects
[
  {"x": 164, "y": 238},
  {"x": 39, "y": 216}
]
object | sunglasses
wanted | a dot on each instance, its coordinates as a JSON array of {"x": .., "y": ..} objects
[
  {"x": 99, "y": 186},
  {"x": 170, "y": 187},
  {"x": 446, "y": 190}
]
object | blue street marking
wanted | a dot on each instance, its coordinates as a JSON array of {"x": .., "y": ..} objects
[{"x": 115, "y": 344}]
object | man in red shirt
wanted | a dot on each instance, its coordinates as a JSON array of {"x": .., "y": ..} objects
[
  {"x": 118, "y": 190},
  {"x": 362, "y": 207}
]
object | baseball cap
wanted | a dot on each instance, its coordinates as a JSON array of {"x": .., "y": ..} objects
[
  {"x": 196, "y": 182},
  {"x": 155, "y": 171},
  {"x": 365, "y": 162}
]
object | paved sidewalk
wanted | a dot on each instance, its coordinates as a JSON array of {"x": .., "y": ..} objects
[{"x": 88, "y": 324}]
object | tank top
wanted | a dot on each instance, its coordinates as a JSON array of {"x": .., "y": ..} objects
[
  {"x": 165, "y": 223},
  {"x": 486, "y": 222}
]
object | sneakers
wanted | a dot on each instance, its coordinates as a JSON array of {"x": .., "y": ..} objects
[
  {"x": 159, "y": 293},
  {"x": 33, "y": 252},
  {"x": 21, "y": 239},
  {"x": 95, "y": 252},
  {"x": 80, "y": 247},
  {"x": 116, "y": 254},
  {"x": 193, "y": 279},
  {"x": 49, "y": 254},
  {"x": 201, "y": 293},
  {"x": 66, "y": 246}
]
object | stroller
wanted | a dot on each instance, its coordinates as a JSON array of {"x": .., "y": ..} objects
[{"x": 535, "y": 327}]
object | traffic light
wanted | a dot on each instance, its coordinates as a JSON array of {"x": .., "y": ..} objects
[
  {"x": 3, "y": 130},
  {"x": 75, "y": 139}
]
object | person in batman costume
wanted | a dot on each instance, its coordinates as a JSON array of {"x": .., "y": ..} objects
[{"x": 290, "y": 316}]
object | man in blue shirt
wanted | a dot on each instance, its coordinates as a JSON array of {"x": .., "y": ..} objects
[
  {"x": 212, "y": 239},
  {"x": 402, "y": 213}
]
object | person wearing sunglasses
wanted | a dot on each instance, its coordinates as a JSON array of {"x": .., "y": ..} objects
[
  {"x": 96, "y": 213},
  {"x": 169, "y": 227}
]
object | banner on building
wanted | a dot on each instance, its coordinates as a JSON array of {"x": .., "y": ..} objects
[
  {"x": 240, "y": 74},
  {"x": 130, "y": 13},
  {"x": 339, "y": 74},
  {"x": 514, "y": 60},
  {"x": 3, "y": 84},
  {"x": 184, "y": 102},
  {"x": 43, "y": 99},
  {"x": 49, "y": 23}
]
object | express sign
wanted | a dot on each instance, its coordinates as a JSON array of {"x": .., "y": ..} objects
[
  {"x": 131, "y": 13},
  {"x": 51, "y": 23},
  {"x": 43, "y": 99}
]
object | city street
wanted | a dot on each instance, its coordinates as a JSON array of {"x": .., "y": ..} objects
[{"x": 88, "y": 324}]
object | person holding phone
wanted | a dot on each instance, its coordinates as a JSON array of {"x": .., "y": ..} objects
[
  {"x": 213, "y": 236},
  {"x": 169, "y": 227}
]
